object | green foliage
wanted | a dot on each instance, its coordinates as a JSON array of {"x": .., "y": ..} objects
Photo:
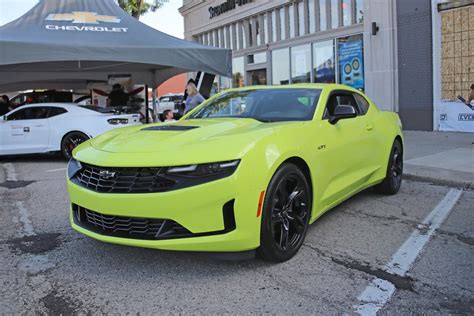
[{"x": 137, "y": 8}]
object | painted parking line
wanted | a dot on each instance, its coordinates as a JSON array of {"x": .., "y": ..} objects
[
  {"x": 379, "y": 292},
  {"x": 55, "y": 170},
  {"x": 10, "y": 170}
]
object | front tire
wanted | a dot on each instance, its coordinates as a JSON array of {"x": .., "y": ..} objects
[
  {"x": 285, "y": 216},
  {"x": 393, "y": 179},
  {"x": 71, "y": 141}
]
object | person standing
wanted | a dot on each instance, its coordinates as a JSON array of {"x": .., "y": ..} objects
[
  {"x": 194, "y": 97},
  {"x": 4, "y": 105},
  {"x": 118, "y": 97}
]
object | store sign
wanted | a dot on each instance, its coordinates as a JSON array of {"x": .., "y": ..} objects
[
  {"x": 351, "y": 61},
  {"x": 83, "y": 17},
  {"x": 225, "y": 7}
]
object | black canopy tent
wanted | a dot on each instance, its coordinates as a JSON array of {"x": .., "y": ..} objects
[{"x": 68, "y": 43}]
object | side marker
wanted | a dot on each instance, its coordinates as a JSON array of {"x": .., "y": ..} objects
[{"x": 260, "y": 204}]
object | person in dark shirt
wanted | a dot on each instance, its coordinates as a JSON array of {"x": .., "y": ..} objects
[
  {"x": 4, "y": 105},
  {"x": 117, "y": 97}
]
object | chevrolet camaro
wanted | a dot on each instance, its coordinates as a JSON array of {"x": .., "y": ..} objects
[
  {"x": 249, "y": 168},
  {"x": 46, "y": 127}
]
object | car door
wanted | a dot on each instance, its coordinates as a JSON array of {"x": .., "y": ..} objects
[
  {"x": 25, "y": 131},
  {"x": 342, "y": 151}
]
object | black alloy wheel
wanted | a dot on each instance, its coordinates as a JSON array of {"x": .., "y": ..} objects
[
  {"x": 393, "y": 179},
  {"x": 71, "y": 141},
  {"x": 285, "y": 216}
]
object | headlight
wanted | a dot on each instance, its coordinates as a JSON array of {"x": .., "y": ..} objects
[
  {"x": 73, "y": 167},
  {"x": 208, "y": 171},
  {"x": 116, "y": 121}
]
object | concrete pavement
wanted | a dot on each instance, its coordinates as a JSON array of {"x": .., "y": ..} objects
[
  {"x": 47, "y": 268},
  {"x": 445, "y": 158}
]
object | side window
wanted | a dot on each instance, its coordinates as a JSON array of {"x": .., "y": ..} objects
[
  {"x": 362, "y": 103},
  {"x": 18, "y": 115},
  {"x": 34, "y": 113},
  {"x": 54, "y": 111},
  {"x": 339, "y": 99}
]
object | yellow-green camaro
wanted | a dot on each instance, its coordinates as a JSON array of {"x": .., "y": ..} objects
[{"x": 247, "y": 169}]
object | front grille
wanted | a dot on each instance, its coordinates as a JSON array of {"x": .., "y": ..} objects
[
  {"x": 128, "y": 227},
  {"x": 123, "y": 180}
]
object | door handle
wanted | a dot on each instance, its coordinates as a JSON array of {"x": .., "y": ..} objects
[
  {"x": 41, "y": 125},
  {"x": 369, "y": 127}
]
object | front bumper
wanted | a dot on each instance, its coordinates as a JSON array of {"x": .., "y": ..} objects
[{"x": 199, "y": 209}]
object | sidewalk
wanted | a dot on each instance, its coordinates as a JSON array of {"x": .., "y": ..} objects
[{"x": 440, "y": 157}]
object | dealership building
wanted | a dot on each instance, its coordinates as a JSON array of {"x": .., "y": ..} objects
[{"x": 409, "y": 56}]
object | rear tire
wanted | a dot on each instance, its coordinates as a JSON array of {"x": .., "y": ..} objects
[
  {"x": 71, "y": 141},
  {"x": 285, "y": 215},
  {"x": 393, "y": 179}
]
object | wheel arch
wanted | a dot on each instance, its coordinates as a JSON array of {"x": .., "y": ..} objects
[{"x": 73, "y": 131}]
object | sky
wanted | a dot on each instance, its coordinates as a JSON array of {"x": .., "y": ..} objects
[{"x": 167, "y": 19}]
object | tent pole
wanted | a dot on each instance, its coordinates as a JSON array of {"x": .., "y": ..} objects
[
  {"x": 147, "y": 115},
  {"x": 155, "y": 90}
]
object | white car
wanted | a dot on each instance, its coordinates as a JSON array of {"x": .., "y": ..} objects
[{"x": 45, "y": 127}]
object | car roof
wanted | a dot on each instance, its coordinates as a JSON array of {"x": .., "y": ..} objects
[
  {"x": 70, "y": 107},
  {"x": 322, "y": 86}
]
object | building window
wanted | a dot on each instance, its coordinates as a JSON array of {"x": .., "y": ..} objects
[
  {"x": 323, "y": 24},
  {"x": 274, "y": 26},
  {"x": 209, "y": 38},
  {"x": 346, "y": 12},
  {"x": 301, "y": 64},
  {"x": 312, "y": 16},
  {"x": 281, "y": 66},
  {"x": 291, "y": 20},
  {"x": 351, "y": 61},
  {"x": 245, "y": 37},
  {"x": 265, "y": 29},
  {"x": 258, "y": 58},
  {"x": 238, "y": 68},
  {"x": 324, "y": 65},
  {"x": 359, "y": 6},
  {"x": 301, "y": 19},
  {"x": 231, "y": 34},
  {"x": 334, "y": 14},
  {"x": 224, "y": 36},
  {"x": 238, "y": 35},
  {"x": 216, "y": 38},
  {"x": 282, "y": 23}
]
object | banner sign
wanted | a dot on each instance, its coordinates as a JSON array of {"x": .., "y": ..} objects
[
  {"x": 351, "y": 61},
  {"x": 455, "y": 117}
]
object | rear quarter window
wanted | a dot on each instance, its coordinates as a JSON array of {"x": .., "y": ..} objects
[
  {"x": 362, "y": 103},
  {"x": 55, "y": 111}
]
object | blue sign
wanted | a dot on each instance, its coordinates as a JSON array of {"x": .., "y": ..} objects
[{"x": 351, "y": 62}]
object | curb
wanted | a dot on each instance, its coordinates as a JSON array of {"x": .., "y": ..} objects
[{"x": 465, "y": 185}]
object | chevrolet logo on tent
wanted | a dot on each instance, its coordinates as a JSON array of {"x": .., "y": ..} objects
[{"x": 82, "y": 17}]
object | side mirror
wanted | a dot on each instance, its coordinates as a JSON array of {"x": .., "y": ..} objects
[
  {"x": 342, "y": 112},
  {"x": 4, "y": 117}
]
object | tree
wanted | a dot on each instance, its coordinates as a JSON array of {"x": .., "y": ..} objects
[{"x": 137, "y": 8}]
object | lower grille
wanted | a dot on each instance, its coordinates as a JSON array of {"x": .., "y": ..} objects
[{"x": 128, "y": 227}]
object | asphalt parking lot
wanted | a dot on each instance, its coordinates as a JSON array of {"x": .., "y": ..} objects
[{"x": 351, "y": 254}]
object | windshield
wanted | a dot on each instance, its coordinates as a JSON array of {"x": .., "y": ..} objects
[{"x": 266, "y": 105}]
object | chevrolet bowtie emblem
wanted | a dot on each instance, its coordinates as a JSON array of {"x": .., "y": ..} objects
[
  {"x": 82, "y": 17},
  {"x": 106, "y": 175}
]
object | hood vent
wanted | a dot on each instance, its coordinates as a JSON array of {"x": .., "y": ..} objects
[{"x": 169, "y": 128}]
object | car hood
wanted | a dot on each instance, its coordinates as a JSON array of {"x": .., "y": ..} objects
[{"x": 181, "y": 142}]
